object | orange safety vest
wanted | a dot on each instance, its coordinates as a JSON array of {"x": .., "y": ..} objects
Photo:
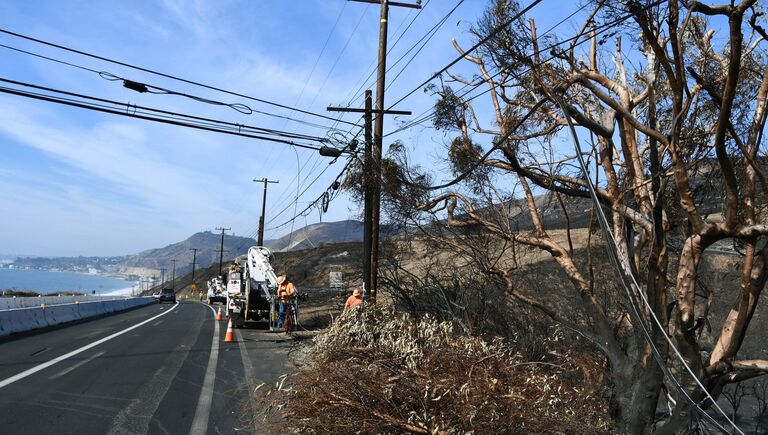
[
  {"x": 353, "y": 301},
  {"x": 286, "y": 290}
]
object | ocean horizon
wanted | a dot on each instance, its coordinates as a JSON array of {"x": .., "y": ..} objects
[{"x": 43, "y": 281}]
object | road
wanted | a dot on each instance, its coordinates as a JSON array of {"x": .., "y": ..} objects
[{"x": 157, "y": 369}]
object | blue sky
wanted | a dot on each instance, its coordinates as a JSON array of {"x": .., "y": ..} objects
[{"x": 78, "y": 182}]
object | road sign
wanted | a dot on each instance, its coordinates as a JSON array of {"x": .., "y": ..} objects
[
  {"x": 194, "y": 287},
  {"x": 335, "y": 280}
]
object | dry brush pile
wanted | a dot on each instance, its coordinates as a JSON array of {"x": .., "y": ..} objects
[{"x": 376, "y": 371}]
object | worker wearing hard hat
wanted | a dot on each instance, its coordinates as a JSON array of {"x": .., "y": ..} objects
[
  {"x": 285, "y": 293},
  {"x": 354, "y": 300}
]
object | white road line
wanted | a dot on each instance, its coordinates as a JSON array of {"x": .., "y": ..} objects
[
  {"x": 250, "y": 384},
  {"x": 81, "y": 363},
  {"x": 45, "y": 365},
  {"x": 203, "y": 411}
]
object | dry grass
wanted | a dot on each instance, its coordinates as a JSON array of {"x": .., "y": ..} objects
[{"x": 374, "y": 371}]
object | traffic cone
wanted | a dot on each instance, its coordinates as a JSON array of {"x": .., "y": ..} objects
[
  {"x": 218, "y": 316},
  {"x": 230, "y": 336}
]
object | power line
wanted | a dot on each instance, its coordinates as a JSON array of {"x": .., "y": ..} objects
[
  {"x": 358, "y": 93},
  {"x": 206, "y": 121},
  {"x": 473, "y": 48},
  {"x": 336, "y": 61},
  {"x": 429, "y": 35},
  {"x": 295, "y": 178},
  {"x": 353, "y": 96},
  {"x": 341, "y": 53},
  {"x": 298, "y": 195},
  {"x": 312, "y": 71},
  {"x": 423, "y": 117},
  {"x": 316, "y": 201},
  {"x": 632, "y": 287},
  {"x": 334, "y": 187},
  {"x": 169, "y": 76},
  {"x": 242, "y": 108},
  {"x": 158, "y": 118}
]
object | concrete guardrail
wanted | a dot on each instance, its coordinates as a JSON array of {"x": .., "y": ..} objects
[{"x": 20, "y": 319}]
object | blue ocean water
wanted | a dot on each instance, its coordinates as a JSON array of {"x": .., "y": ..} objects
[{"x": 46, "y": 282}]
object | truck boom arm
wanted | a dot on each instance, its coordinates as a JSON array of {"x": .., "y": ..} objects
[{"x": 260, "y": 269}]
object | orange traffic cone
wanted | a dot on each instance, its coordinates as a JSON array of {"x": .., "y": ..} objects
[
  {"x": 218, "y": 316},
  {"x": 230, "y": 336}
]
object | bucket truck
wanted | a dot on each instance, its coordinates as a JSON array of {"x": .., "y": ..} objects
[
  {"x": 216, "y": 291},
  {"x": 251, "y": 289}
]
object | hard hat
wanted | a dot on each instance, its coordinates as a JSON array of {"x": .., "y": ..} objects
[{"x": 356, "y": 292}]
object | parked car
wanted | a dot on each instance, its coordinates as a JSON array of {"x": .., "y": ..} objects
[{"x": 167, "y": 295}]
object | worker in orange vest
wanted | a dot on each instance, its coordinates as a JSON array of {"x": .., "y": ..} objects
[
  {"x": 285, "y": 293},
  {"x": 354, "y": 300}
]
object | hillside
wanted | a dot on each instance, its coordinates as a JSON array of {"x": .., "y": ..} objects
[
  {"x": 319, "y": 234},
  {"x": 207, "y": 244}
]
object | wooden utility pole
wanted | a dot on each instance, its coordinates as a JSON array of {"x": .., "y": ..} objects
[
  {"x": 173, "y": 275},
  {"x": 194, "y": 259},
  {"x": 162, "y": 280},
  {"x": 378, "y": 133},
  {"x": 260, "y": 242},
  {"x": 369, "y": 181},
  {"x": 221, "y": 246},
  {"x": 367, "y": 201}
]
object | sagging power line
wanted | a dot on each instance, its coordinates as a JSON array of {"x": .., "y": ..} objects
[
  {"x": 168, "y": 76},
  {"x": 161, "y": 116}
]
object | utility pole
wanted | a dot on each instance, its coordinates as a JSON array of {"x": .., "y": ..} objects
[
  {"x": 173, "y": 280},
  {"x": 162, "y": 280},
  {"x": 367, "y": 201},
  {"x": 221, "y": 248},
  {"x": 263, "y": 209},
  {"x": 373, "y": 157},
  {"x": 194, "y": 258}
]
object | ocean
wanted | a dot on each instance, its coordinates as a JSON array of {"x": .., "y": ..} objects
[{"x": 47, "y": 282}]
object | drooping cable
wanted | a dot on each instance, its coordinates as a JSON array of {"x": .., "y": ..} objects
[
  {"x": 142, "y": 87},
  {"x": 632, "y": 288},
  {"x": 132, "y": 111},
  {"x": 169, "y": 76},
  {"x": 334, "y": 187},
  {"x": 208, "y": 121}
]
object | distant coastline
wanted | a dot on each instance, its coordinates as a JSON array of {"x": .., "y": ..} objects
[{"x": 45, "y": 281}]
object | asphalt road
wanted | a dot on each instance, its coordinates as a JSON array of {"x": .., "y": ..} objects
[{"x": 156, "y": 369}]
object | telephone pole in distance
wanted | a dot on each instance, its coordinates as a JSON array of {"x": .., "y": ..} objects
[
  {"x": 173, "y": 279},
  {"x": 263, "y": 208},
  {"x": 194, "y": 258},
  {"x": 221, "y": 247}
]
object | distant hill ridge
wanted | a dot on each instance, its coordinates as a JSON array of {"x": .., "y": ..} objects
[
  {"x": 318, "y": 234},
  {"x": 149, "y": 262},
  {"x": 206, "y": 243}
]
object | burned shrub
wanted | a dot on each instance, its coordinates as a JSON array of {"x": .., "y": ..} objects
[{"x": 376, "y": 371}]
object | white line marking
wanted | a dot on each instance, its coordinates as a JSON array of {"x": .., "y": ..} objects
[
  {"x": 250, "y": 384},
  {"x": 43, "y": 366},
  {"x": 203, "y": 411},
  {"x": 81, "y": 363}
]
